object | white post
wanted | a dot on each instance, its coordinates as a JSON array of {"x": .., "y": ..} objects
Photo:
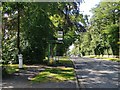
[{"x": 20, "y": 58}]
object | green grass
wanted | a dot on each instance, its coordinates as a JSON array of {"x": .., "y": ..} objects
[
  {"x": 55, "y": 75},
  {"x": 91, "y": 56},
  {"x": 105, "y": 58},
  {"x": 65, "y": 62},
  {"x": 113, "y": 59},
  {"x": 11, "y": 68},
  {"x": 64, "y": 58},
  {"x": 62, "y": 61}
]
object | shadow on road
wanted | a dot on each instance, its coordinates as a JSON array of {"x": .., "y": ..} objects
[{"x": 93, "y": 73}]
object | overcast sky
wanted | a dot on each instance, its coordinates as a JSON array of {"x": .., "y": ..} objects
[{"x": 87, "y": 5}]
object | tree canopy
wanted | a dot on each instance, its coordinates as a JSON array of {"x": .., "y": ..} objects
[
  {"x": 29, "y": 28},
  {"x": 102, "y": 36}
]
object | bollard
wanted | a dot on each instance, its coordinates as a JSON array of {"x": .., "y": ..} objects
[{"x": 20, "y": 58}]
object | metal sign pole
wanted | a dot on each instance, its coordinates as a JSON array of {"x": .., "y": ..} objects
[{"x": 49, "y": 52}]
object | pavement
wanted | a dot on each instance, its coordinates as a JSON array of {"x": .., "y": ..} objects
[
  {"x": 97, "y": 73},
  {"x": 20, "y": 80}
]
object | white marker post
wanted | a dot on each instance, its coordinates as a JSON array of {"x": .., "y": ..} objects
[{"x": 20, "y": 58}]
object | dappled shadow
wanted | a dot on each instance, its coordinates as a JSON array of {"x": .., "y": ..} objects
[
  {"x": 97, "y": 73},
  {"x": 15, "y": 81},
  {"x": 62, "y": 72},
  {"x": 20, "y": 79}
]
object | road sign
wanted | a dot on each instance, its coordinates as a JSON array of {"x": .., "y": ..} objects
[{"x": 60, "y": 36}]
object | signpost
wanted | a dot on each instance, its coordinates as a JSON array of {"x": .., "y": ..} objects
[
  {"x": 60, "y": 36},
  {"x": 58, "y": 41}
]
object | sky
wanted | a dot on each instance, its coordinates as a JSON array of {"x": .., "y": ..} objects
[{"x": 88, "y": 5}]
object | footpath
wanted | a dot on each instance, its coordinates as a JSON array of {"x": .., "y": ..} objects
[{"x": 20, "y": 80}]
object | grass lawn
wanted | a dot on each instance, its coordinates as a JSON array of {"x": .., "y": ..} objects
[
  {"x": 55, "y": 75},
  {"x": 64, "y": 58},
  {"x": 69, "y": 62},
  {"x": 105, "y": 58},
  {"x": 60, "y": 61},
  {"x": 65, "y": 61}
]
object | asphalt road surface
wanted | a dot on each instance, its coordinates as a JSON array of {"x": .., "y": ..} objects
[{"x": 96, "y": 73}]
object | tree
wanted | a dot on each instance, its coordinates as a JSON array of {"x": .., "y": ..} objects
[
  {"x": 106, "y": 15},
  {"x": 38, "y": 24},
  {"x": 102, "y": 30},
  {"x": 34, "y": 31}
]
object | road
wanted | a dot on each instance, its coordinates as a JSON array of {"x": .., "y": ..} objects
[{"x": 96, "y": 73}]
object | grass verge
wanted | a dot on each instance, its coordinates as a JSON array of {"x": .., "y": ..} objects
[
  {"x": 105, "y": 58},
  {"x": 55, "y": 75},
  {"x": 11, "y": 68},
  {"x": 66, "y": 63},
  {"x": 113, "y": 59}
]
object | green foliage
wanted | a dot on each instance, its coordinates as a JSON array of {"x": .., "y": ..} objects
[
  {"x": 102, "y": 34},
  {"x": 9, "y": 69},
  {"x": 12, "y": 69},
  {"x": 9, "y": 49},
  {"x": 39, "y": 23},
  {"x": 113, "y": 37},
  {"x": 36, "y": 29}
]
